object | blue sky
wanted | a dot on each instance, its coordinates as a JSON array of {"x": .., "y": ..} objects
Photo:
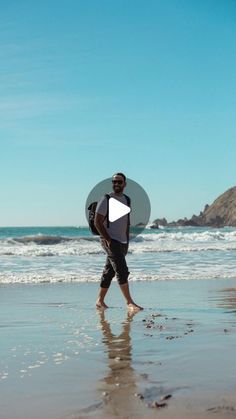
[{"x": 88, "y": 88}]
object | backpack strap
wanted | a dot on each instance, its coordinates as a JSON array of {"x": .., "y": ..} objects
[
  {"x": 128, "y": 200},
  {"x": 107, "y": 216},
  {"x": 128, "y": 203}
]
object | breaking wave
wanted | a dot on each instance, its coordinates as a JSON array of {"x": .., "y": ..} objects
[
  {"x": 161, "y": 242},
  {"x": 73, "y": 255},
  {"x": 42, "y": 239}
]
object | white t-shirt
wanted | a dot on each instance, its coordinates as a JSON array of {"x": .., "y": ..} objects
[{"x": 117, "y": 230}]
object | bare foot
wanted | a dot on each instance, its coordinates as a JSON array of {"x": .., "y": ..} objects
[
  {"x": 131, "y": 314},
  {"x": 134, "y": 307},
  {"x": 101, "y": 304}
]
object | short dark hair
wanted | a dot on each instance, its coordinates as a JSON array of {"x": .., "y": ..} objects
[{"x": 120, "y": 174}]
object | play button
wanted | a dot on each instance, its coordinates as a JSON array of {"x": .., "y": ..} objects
[
  {"x": 117, "y": 209},
  {"x": 139, "y": 203}
]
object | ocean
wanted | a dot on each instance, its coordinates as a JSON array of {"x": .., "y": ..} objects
[{"x": 72, "y": 254}]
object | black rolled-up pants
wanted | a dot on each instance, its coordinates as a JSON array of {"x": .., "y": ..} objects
[{"x": 115, "y": 263}]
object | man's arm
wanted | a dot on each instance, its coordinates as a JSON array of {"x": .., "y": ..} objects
[
  {"x": 127, "y": 232},
  {"x": 98, "y": 222},
  {"x": 128, "y": 223}
]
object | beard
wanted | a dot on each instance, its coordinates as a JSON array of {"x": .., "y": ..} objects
[{"x": 118, "y": 189}]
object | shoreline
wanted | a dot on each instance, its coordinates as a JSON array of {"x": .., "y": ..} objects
[
  {"x": 96, "y": 282},
  {"x": 61, "y": 358}
]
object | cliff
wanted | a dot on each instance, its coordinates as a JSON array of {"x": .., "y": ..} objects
[{"x": 219, "y": 214}]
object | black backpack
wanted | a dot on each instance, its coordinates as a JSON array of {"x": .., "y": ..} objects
[{"x": 92, "y": 211}]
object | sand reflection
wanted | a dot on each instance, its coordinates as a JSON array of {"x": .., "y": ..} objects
[
  {"x": 227, "y": 299},
  {"x": 119, "y": 385}
]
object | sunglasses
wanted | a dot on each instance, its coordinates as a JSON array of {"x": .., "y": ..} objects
[{"x": 119, "y": 182}]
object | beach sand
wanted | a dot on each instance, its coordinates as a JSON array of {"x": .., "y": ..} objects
[{"x": 62, "y": 358}]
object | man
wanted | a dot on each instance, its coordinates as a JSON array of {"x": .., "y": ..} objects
[{"x": 115, "y": 242}]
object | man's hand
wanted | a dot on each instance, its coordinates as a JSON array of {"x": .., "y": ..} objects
[
  {"x": 98, "y": 222},
  {"x": 108, "y": 243}
]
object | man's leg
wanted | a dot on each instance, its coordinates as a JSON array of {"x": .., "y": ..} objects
[
  {"x": 107, "y": 275},
  {"x": 118, "y": 262},
  {"x": 100, "y": 301},
  {"x": 130, "y": 302}
]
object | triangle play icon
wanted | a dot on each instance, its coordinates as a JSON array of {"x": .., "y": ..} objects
[{"x": 117, "y": 209}]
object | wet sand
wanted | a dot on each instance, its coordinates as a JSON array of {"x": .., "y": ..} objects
[{"x": 62, "y": 358}]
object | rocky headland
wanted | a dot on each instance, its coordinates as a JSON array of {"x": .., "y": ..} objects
[{"x": 221, "y": 213}]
